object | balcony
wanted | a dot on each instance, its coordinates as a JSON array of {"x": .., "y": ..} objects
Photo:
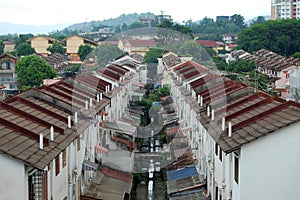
[{"x": 8, "y": 80}]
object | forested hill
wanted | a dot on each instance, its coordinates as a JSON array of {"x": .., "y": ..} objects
[{"x": 116, "y": 22}]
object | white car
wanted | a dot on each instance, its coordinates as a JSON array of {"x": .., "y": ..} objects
[
  {"x": 151, "y": 167},
  {"x": 157, "y": 166},
  {"x": 151, "y": 174},
  {"x": 150, "y": 188}
]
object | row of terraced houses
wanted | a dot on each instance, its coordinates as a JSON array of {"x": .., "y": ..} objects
[
  {"x": 245, "y": 142},
  {"x": 53, "y": 137}
]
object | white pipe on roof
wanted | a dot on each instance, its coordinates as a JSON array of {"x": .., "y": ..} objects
[
  {"x": 208, "y": 111},
  {"x": 51, "y": 133},
  {"x": 69, "y": 122},
  {"x": 86, "y": 105},
  {"x": 91, "y": 102},
  {"x": 76, "y": 118},
  {"x": 41, "y": 141},
  {"x": 229, "y": 129},
  {"x": 223, "y": 123}
]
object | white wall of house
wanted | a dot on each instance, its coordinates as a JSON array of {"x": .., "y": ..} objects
[
  {"x": 13, "y": 178},
  {"x": 269, "y": 166}
]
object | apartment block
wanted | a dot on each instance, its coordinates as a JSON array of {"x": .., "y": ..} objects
[{"x": 285, "y": 9}]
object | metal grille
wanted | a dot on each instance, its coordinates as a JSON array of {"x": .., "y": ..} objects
[{"x": 38, "y": 185}]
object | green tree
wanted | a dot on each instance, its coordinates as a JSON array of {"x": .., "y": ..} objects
[
  {"x": 24, "y": 49},
  {"x": 296, "y": 55},
  {"x": 56, "y": 48},
  {"x": 193, "y": 49},
  {"x": 259, "y": 20},
  {"x": 238, "y": 20},
  {"x": 1, "y": 47},
  {"x": 136, "y": 25},
  {"x": 32, "y": 70},
  {"x": 220, "y": 63},
  {"x": 241, "y": 66},
  {"x": 23, "y": 38},
  {"x": 106, "y": 53},
  {"x": 152, "y": 55},
  {"x": 84, "y": 50},
  {"x": 279, "y": 36}
]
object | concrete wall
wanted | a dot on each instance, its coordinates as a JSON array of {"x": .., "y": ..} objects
[
  {"x": 13, "y": 178},
  {"x": 269, "y": 167}
]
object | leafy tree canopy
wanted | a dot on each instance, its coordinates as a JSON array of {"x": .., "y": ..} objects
[
  {"x": 23, "y": 38},
  {"x": 56, "y": 48},
  {"x": 279, "y": 36},
  {"x": 152, "y": 55},
  {"x": 84, "y": 50},
  {"x": 24, "y": 49},
  {"x": 1, "y": 47},
  {"x": 32, "y": 70}
]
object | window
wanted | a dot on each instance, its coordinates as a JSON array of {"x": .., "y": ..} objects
[
  {"x": 64, "y": 161},
  {"x": 217, "y": 192},
  {"x": 236, "y": 169},
  {"x": 216, "y": 149},
  {"x": 8, "y": 65},
  {"x": 57, "y": 167},
  {"x": 38, "y": 185},
  {"x": 78, "y": 143},
  {"x": 220, "y": 154}
]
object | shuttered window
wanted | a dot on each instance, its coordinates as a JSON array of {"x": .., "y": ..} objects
[{"x": 57, "y": 167}]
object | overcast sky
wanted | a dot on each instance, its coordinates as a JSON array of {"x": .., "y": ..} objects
[{"x": 39, "y": 12}]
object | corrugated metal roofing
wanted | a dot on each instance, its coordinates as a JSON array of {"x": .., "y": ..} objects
[{"x": 181, "y": 173}]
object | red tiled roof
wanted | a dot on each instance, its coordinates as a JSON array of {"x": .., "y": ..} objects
[
  {"x": 210, "y": 43},
  {"x": 117, "y": 174}
]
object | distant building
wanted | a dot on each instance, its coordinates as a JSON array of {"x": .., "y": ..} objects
[
  {"x": 215, "y": 45},
  {"x": 288, "y": 9},
  {"x": 58, "y": 62},
  {"x": 8, "y": 74},
  {"x": 72, "y": 45},
  {"x": 8, "y": 46},
  {"x": 41, "y": 43},
  {"x": 145, "y": 20},
  {"x": 162, "y": 17},
  {"x": 136, "y": 46}
]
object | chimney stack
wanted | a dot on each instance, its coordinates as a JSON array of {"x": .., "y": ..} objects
[
  {"x": 98, "y": 97},
  {"x": 212, "y": 114}
]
